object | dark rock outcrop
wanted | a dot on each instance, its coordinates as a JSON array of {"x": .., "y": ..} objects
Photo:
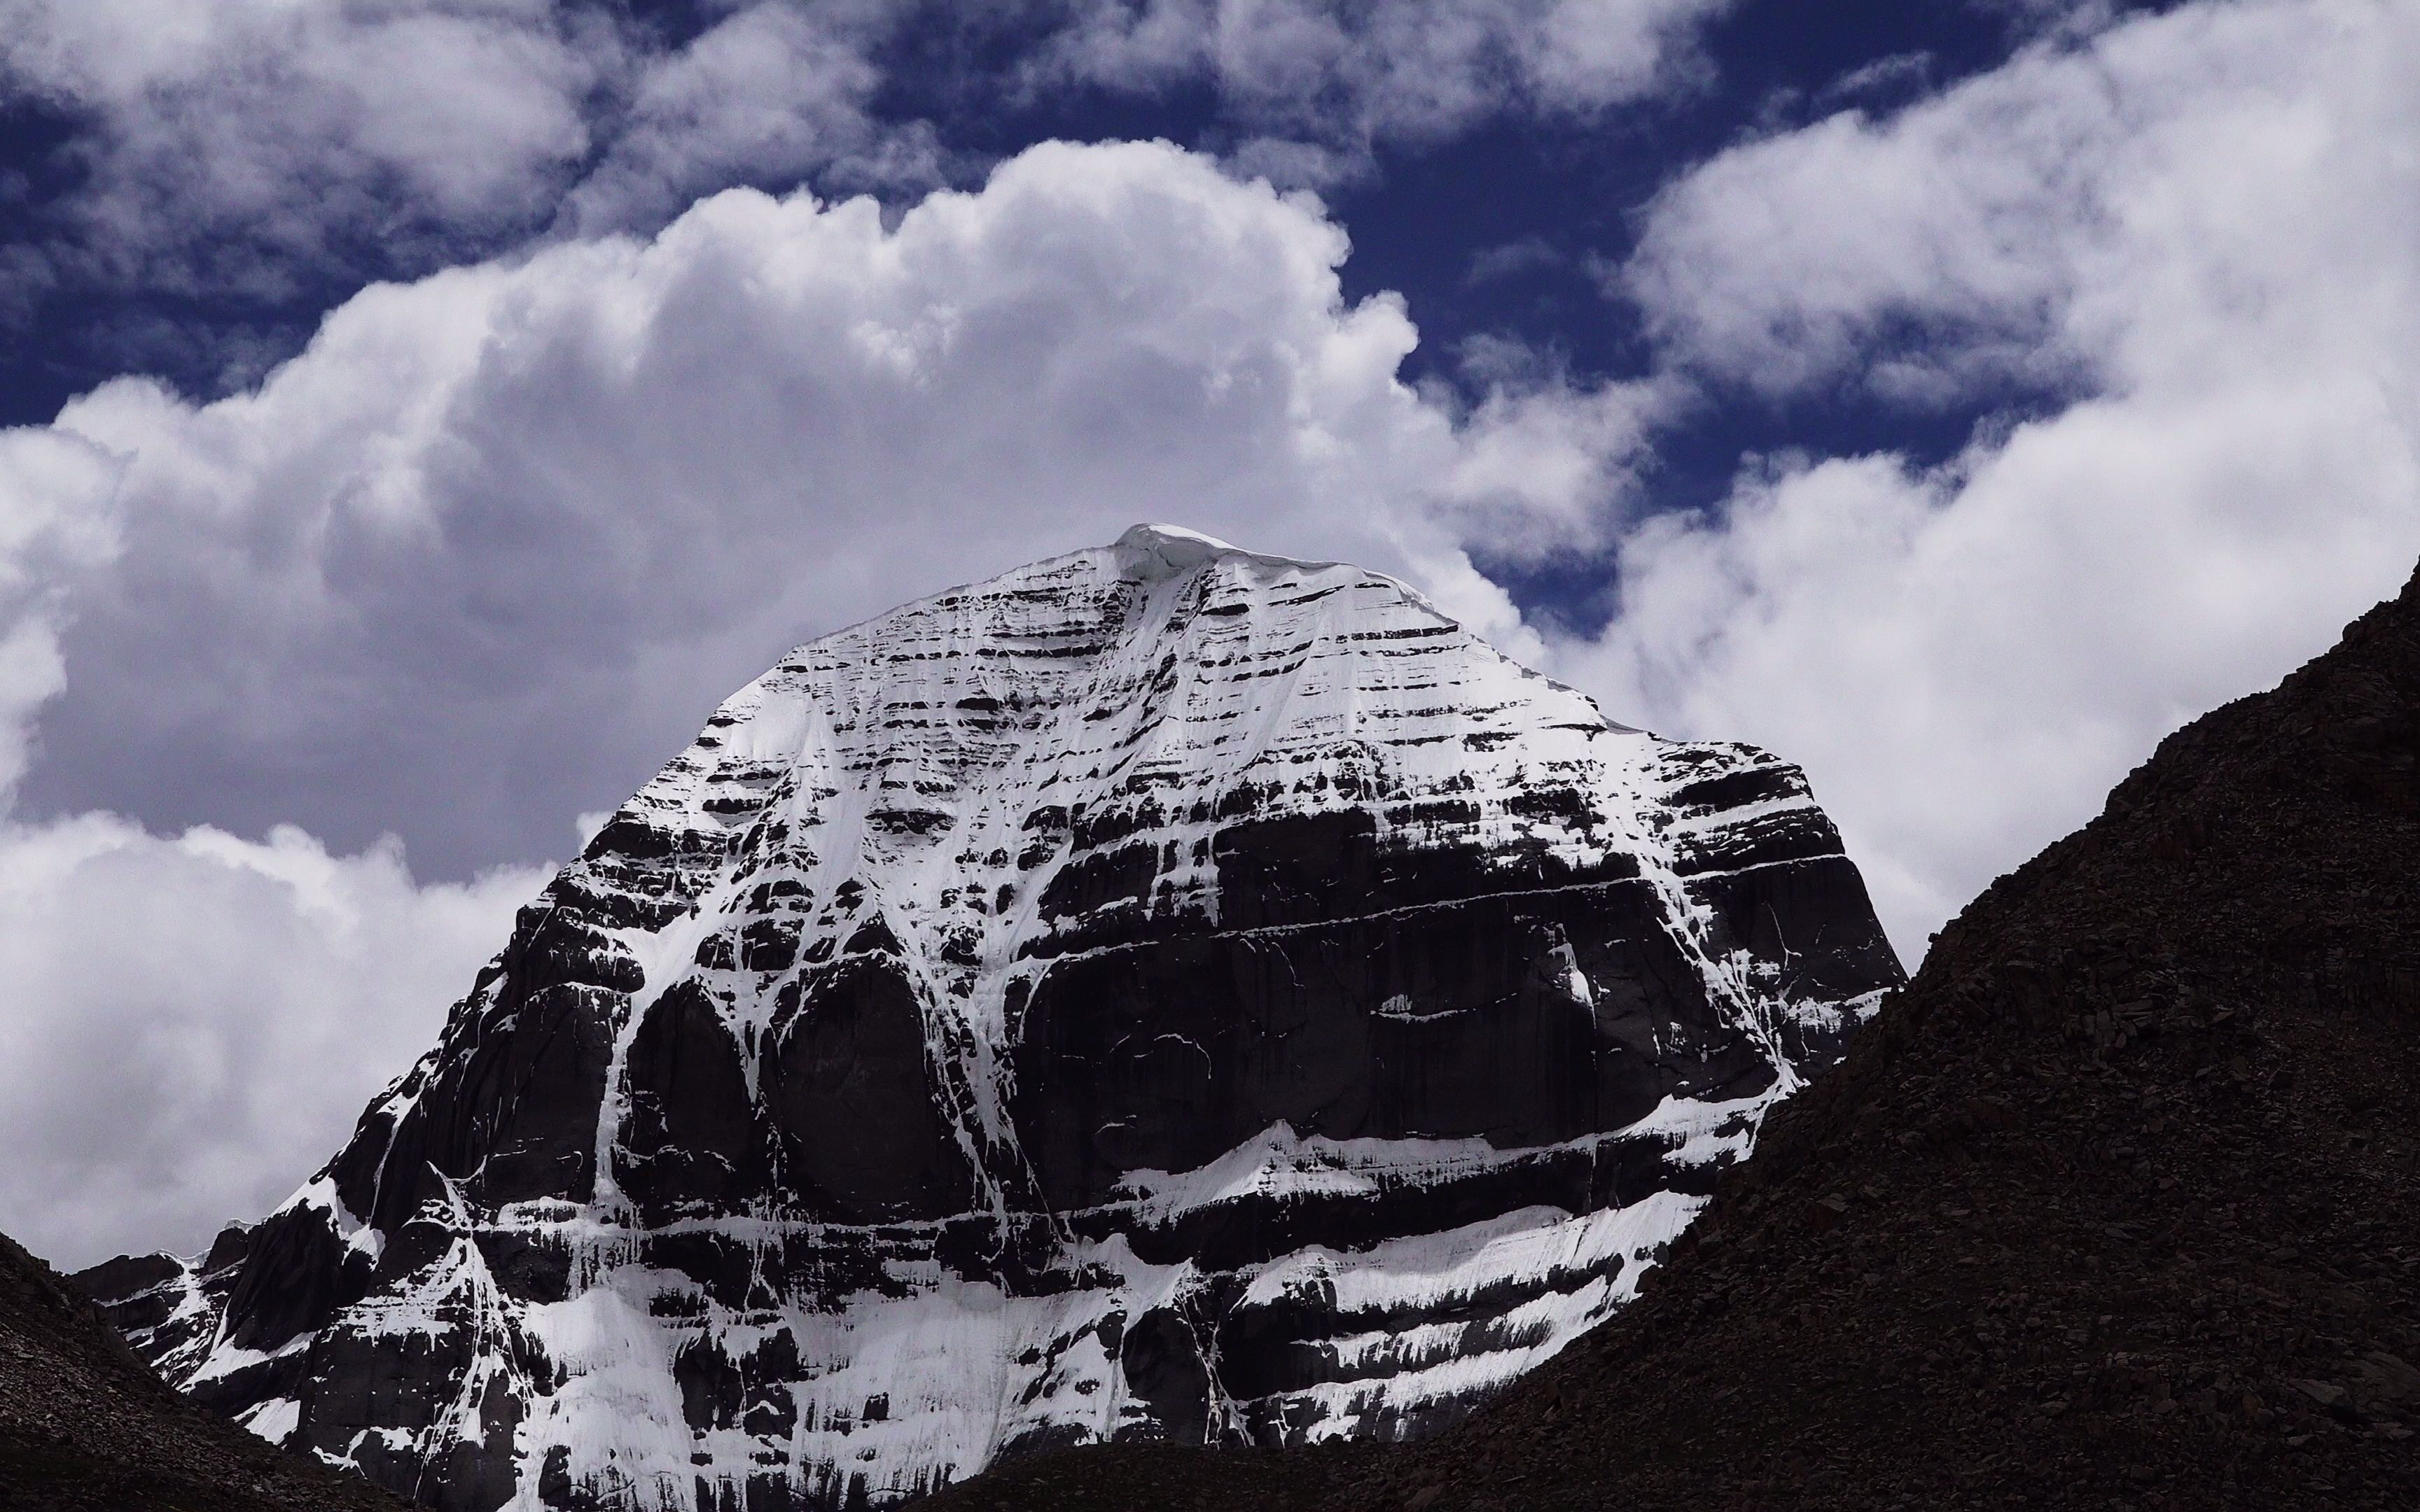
[
  {"x": 1164, "y": 993},
  {"x": 2117, "y": 1204},
  {"x": 86, "y": 1427}
]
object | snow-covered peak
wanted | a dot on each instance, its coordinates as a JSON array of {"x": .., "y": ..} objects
[
  {"x": 1151, "y": 552},
  {"x": 1166, "y": 989}
]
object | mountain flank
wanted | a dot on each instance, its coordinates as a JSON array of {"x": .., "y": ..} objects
[
  {"x": 86, "y": 1427},
  {"x": 1165, "y": 993},
  {"x": 2115, "y": 1205}
]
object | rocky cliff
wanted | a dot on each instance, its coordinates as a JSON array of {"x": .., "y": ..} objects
[
  {"x": 2117, "y": 1205},
  {"x": 1164, "y": 993},
  {"x": 86, "y": 1427}
]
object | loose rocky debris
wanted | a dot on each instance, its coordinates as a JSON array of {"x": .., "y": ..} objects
[
  {"x": 85, "y": 1427},
  {"x": 2117, "y": 1205}
]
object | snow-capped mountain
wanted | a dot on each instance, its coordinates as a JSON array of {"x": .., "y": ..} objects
[{"x": 1162, "y": 991}]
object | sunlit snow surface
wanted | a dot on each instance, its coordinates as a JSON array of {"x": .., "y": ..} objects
[{"x": 895, "y": 772}]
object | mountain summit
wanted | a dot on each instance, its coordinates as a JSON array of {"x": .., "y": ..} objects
[
  {"x": 2115, "y": 1205},
  {"x": 1164, "y": 992}
]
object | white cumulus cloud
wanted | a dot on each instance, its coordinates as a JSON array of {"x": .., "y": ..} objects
[
  {"x": 229, "y": 145},
  {"x": 469, "y": 567},
  {"x": 472, "y": 564},
  {"x": 2201, "y": 227},
  {"x": 473, "y": 561},
  {"x": 194, "y": 1022}
]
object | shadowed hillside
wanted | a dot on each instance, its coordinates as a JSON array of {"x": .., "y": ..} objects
[
  {"x": 85, "y": 1427},
  {"x": 2113, "y": 1206}
]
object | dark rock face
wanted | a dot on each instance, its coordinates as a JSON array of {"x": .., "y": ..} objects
[
  {"x": 2117, "y": 1204},
  {"x": 1164, "y": 993},
  {"x": 86, "y": 1427}
]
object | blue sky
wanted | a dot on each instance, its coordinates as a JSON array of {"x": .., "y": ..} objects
[{"x": 416, "y": 415}]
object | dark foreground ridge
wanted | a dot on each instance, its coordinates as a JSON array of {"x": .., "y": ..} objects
[
  {"x": 2112, "y": 1207},
  {"x": 85, "y": 1427}
]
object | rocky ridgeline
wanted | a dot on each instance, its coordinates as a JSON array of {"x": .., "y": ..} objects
[
  {"x": 2117, "y": 1205},
  {"x": 86, "y": 1427},
  {"x": 1163, "y": 993}
]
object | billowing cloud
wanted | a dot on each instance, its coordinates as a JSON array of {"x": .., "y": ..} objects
[
  {"x": 471, "y": 564},
  {"x": 2200, "y": 226},
  {"x": 56, "y": 521},
  {"x": 499, "y": 539},
  {"x": 769, "y": 94},
  {"x": 239, "y": 145},
  {"x": 195, "y": 1023}
]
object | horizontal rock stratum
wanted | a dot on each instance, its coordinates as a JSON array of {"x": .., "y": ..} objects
[
  {"x": 2115, "y": 1205},
  {"x": 1165, "y": 992}
]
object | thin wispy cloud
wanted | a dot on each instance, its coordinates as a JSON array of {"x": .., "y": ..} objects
[
  {"x": 1338, "y": 79},
  {"x": 259, "y": 149}
]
